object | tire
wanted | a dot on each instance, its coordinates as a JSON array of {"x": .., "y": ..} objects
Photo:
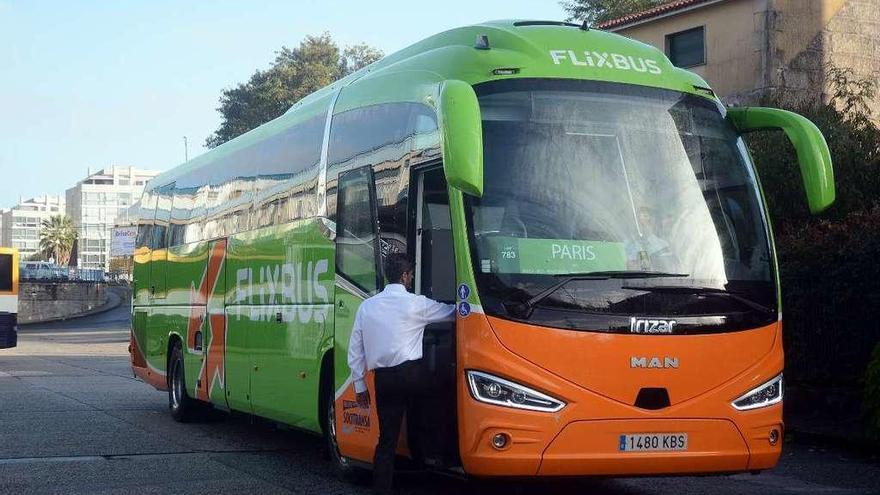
[
  {"x": 183, "y": 408},
  {"x": 343, "y": 466}
]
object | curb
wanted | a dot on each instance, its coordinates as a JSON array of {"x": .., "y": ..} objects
[{"x": 114, "y": 300}]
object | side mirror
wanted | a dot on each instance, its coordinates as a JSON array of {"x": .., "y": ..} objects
[
  {"x": 809, "y": 144},
  {"x": 461, "y": 131}
]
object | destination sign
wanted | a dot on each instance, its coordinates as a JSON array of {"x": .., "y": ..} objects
[{"x": 553, "y": 256}]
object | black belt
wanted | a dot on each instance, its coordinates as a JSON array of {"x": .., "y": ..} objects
[{"x": 400, "y": 367}]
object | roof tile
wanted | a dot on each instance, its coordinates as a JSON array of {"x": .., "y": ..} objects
[{"x": 652, "y": 12}]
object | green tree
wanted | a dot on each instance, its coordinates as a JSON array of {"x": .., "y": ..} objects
[
  {"x": 57, "y": 236},
  {"x": 597, "y": 11},
  {"x": 295, "y": 73}
]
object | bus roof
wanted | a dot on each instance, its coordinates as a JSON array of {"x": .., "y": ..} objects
[{"x": 475, "y": 54}]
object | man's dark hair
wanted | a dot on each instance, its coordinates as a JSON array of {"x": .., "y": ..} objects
[{"x": 396, "y": 264}]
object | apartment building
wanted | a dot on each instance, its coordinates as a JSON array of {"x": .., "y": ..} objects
[
  {"x": 21, "y": 224},
  {"x": 746, "y": 49},
  {"x": 97, "y": 203}
]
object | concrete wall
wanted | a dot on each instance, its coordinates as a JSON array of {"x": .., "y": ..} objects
[
  {"x": 43, "y": 301},
  {"x": 754, "y": 47}
]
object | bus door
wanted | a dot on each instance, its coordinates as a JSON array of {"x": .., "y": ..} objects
[
  {"x": 159, "y": 255},
  {"x": 357, "y": 277},
  {"x": 8, "y": 298},
  {"x": 436, "y": 428}
]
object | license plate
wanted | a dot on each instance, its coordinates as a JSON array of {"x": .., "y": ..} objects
[{"x": 648, "y": 442}]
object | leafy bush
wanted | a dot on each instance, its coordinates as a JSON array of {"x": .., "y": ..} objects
[
  {"x": 852, "y": 137},
  {"x": 830, "y": 278},
  {"x": 829, "y": 265}
]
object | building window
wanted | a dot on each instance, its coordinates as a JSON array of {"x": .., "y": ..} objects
[{"x": 687, "y": 48}]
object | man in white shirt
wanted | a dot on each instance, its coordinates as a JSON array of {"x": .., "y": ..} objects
[{"x": 387, "y": 338}]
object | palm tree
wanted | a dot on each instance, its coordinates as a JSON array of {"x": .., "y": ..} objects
[{"x": 57, "y": 236}]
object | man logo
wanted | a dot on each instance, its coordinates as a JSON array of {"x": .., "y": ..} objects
[
  {"x": 601, "y": 60},
  {"x": 653, "y": 362},
  {"x": 637, "y": 325}
]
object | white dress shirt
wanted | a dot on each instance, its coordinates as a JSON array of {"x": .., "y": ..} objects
[{"x": 388, "y": 330}]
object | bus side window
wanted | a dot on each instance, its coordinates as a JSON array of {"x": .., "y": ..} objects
[
  {"x": 357, "y": 253},
  {"x": 163, "y": 217},
  {"x": 145, "y": 233},
  {"x": 182, "y": 202},
  {"x": 145, "y": 221}
]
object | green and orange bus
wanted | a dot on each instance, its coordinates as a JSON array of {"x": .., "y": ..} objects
[
  {"x": 591, "y": 209},
  {"x": 8, "y": 297}
]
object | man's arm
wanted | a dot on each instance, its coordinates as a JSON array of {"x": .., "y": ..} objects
[
  {"x": 435, "y": 312},
  {"x": 357, "y": 360}
]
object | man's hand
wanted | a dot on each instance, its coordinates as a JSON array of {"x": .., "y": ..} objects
[{"x": 363, "y": 399}]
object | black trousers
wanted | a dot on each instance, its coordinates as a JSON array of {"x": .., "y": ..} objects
[{"x": 398, "y": 391}]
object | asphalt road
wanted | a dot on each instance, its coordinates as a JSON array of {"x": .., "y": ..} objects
[{"x": 73, "y": 420}]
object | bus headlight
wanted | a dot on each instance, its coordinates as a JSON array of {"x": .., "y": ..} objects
[
  {"x": 765, "y": 395},
  {"x": 493, "y": 390}
]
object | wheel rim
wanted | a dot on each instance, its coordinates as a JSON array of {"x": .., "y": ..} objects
[{"x": 334, "y": 445}]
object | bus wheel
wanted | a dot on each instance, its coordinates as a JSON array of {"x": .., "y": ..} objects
[
  {"x": 183, "y": 408},
  {"x": 341, "y": 464}
]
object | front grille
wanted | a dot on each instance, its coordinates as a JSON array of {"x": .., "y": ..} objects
[{"x": 652, "y": 398}]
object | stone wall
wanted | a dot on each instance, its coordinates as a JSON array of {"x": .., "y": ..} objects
[
  {"x": 853, "y": 40},
  {"x": 44, "y": 301},
  {"x": 807, "y": 36}
]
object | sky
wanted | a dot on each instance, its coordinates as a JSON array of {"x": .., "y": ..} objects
[{"x": 91, "y": 84}]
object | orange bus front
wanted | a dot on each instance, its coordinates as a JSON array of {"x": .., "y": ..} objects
[{"x": 619, "y": 309}]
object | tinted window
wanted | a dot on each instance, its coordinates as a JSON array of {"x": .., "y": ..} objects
[
  {"x": 5, "y": 272},
  {"x": 182, "y": 210},
  {"x": 272, "y": 181},
  {"x": 356, "y": 256},
  {"x": 163, "y": 217},
  {"x": 362, "y": 130},
  {"x": 194, "y": 226},
  {"x": 390, "y": 138},
  {"x": 145, "y": 221},
  {"x": 437, "y": 264},
  {"x": 687, "y": 48},
  {"x": 290, "y": 194}
]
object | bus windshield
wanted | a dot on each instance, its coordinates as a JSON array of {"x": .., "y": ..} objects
[{"x": 651, "y": 191}]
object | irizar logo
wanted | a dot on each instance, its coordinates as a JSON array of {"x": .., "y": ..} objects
[
  {"x": 653, "y": 362},
  {"x": 588, "y": 58},
  {"x": 637, "y": 325}
]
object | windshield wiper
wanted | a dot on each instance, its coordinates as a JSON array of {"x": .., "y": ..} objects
[
  {"x": 703, "y": 291},
  {"x": 525, "y": 308}
]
